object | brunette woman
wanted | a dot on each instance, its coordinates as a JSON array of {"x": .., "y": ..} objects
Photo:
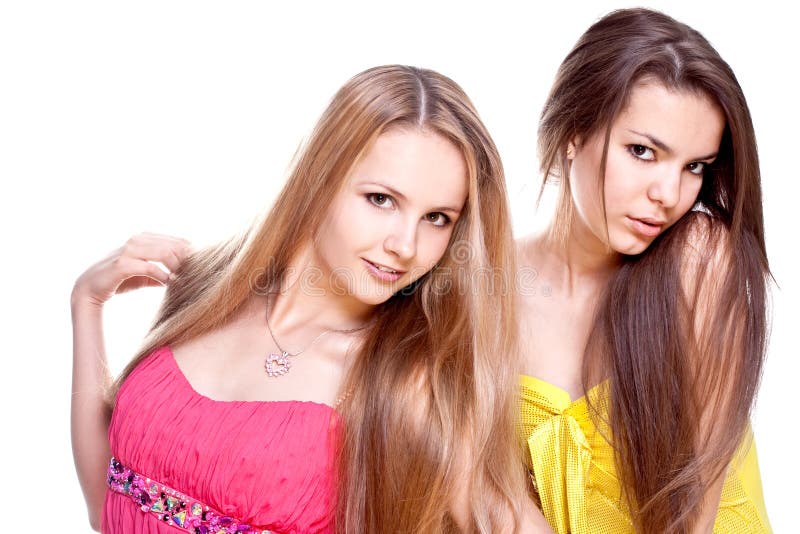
[{"x": 644, "y": 356}]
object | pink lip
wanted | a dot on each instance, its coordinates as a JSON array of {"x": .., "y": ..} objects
[
  {"x": 384, "y": 276},
  {"x": 647, "y": 226}
]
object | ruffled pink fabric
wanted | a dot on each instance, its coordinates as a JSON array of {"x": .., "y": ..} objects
[{"x": 268, "y": 464}]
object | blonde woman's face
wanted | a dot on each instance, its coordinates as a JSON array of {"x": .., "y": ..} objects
[
  {"x": 392, "y": 221},
  {"x": 658, "y": 149}
]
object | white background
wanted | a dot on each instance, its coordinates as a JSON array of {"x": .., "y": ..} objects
[{"x": 181, "y": 117}]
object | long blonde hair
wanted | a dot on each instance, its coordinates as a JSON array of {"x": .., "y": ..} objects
[{"x": 434, "y": 383}]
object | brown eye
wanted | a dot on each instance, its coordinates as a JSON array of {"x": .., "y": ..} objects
[
  {"x": 641, "y": 152},
  {"x": 438, "y": 218},
  {"x": 379, "y": 199},
  {"x": 697, "y": 167}
]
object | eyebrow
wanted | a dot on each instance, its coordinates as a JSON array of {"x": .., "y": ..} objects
[
  {"x": 401, "y": 196},
  {"x": 663, "y": 146}
]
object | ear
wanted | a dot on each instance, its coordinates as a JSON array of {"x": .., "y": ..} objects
[{"x": 572, "y": 148}]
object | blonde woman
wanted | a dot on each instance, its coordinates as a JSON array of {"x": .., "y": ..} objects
[{"x": 334, "y": 368}]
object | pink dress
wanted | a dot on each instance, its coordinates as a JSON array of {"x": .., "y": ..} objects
[{"x": 267, "y": 464}]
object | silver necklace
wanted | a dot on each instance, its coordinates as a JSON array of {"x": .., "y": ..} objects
[{"x": 279, "y": 364}]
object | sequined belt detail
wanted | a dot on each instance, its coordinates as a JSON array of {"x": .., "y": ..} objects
[{"x": 173, "y": 507}]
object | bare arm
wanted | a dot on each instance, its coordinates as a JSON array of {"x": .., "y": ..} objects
[
  {"x": 709, "y": 508},
  {"x": 124, "y": 269},
  {"x": 90, "y": 414},
  {"x": 704, "y": 291},
  {"x": 529, "y": 520},
  {"x": 533, "y": 521},
  {"x": 723, "y": 360}
]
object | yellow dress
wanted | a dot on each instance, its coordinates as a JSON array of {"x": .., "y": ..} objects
[{"x": 575, "y": 477}]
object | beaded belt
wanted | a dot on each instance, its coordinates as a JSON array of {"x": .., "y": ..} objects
[{"x": 172, "y": 507}]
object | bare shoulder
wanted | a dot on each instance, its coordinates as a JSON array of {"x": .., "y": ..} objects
[
  {"x": 705, "y": 235},
  {"x": 228, "y": 338},
  {"x": 707, "y": 251}
]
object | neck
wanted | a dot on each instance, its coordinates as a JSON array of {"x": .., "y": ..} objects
[
  {"x": 307, "y": 301},
  {"x": 582, "y": 259}
]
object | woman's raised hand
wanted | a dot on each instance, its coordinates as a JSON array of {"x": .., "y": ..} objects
[{"x": 132, "y": 266}]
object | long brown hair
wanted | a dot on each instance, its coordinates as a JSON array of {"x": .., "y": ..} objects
[
  {"x": 428, "y": 396},
  {"x": 681, "y": 329}
]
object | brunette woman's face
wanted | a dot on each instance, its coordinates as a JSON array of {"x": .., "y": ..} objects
[
  {"x": 392, "y": 221},
  {"x": 658, "y": 149}
]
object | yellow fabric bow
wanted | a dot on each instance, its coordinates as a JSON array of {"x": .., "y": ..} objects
[{"x": 560, "y": 457}]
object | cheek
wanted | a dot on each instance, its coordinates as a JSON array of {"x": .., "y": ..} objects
[
  {"x": 690, "y": 190},
  {"x": 327, "y": 253},
  {"x": 433, "y": 246},
  {"x": 585, "y": 185},
  {"x": 340, "y": 232},
  {"x": 625, "y": 184},
  {"x": 588, "y": 198},
  {"x": 355, "y": 220}
]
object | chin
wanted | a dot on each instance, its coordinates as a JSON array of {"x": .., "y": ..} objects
[
  {"x": 375, "y": 297},
  {"x": 631, "y": 248}
]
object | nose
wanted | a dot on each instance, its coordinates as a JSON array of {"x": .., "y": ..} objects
[
  {"x": 402, "y": 240},
  {"x": 666, "y": 188}
]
